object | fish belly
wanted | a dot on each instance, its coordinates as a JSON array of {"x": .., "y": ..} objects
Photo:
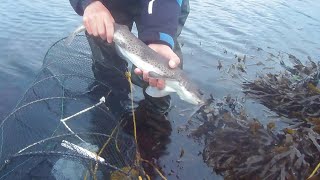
[{"x": 170, "y": 87}]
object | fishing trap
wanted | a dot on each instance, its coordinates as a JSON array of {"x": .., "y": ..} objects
[{"x": 60, "y": 129}]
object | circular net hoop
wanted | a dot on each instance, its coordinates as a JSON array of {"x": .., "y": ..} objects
[{"x": 59, "y": 127}]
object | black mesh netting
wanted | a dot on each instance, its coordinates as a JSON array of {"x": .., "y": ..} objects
[{"x": 35, "y": 141}]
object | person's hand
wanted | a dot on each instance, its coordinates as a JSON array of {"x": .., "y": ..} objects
[
  {"x": 173, "y": 61},
  {"x": 98, "y": 21}
]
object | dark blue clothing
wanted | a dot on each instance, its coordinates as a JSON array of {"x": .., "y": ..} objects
[
  {"x": 158, "y": 19},
  {"x": 162, "y": 25}
]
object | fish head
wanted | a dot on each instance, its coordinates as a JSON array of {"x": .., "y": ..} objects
[
  {"x": 187, "y": 91},
  {"x": 191, "y": 92},
  {"x": 193, "y": 96}
]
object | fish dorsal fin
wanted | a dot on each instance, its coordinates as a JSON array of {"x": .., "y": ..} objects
[{"x": 155, "y": 92}]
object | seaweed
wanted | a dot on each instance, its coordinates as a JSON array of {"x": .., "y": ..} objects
[
  {"x": 240, "y": 147},
  {"x": 294, "y": 93}
]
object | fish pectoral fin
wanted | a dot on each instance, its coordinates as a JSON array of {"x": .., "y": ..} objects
[
  {"x": 155, "y": 75},
  {"x": 155, "y": 92}
]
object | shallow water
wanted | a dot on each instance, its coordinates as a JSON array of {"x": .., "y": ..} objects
[{"x": 29, "y": 29}]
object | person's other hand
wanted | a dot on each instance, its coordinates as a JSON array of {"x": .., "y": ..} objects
[
  {"x": 173, "y": 61},
  {"x": 98, "y": 21}
]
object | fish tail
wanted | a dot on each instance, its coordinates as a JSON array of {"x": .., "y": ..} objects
[{"x": 71, "y": 37}]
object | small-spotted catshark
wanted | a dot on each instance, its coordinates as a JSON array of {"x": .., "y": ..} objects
[{"x": 132, "y": 49}]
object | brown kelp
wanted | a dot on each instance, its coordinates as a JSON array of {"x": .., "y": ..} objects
[
  {"x": 239, "y": 147},
  {"x": 294, "y": 93}
]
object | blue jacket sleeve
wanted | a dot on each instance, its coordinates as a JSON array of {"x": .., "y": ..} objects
[
  {"x": 80, "y": 5},
  {"x": 159, "y": 21}
]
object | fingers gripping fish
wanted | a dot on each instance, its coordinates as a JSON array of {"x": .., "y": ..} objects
[{"x": 132, "y": 49}]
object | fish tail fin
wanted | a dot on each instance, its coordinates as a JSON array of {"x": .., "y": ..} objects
[{"x": 71, "y": 37}]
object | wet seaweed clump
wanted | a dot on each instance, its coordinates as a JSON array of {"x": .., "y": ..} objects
[
  {"x": 294, "y": 93},
  {"x": 240, "y": 147}
]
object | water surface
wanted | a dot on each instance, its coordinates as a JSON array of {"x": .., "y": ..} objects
[{"x": 28, "y": 29}]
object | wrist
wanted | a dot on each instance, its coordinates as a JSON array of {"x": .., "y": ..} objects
[
  {"x": 159, "y": 43},
  {"x": 87, "y": 3},
  {"x": 157, "y": 38}
]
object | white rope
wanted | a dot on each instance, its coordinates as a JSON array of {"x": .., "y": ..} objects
[
  {"x": 102, "y": 100},
  {"x": 82, "y": 151},
  {"x": 70, "y": 130}
]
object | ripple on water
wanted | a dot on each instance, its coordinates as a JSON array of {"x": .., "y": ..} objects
[{"x": 30, "y": 28}]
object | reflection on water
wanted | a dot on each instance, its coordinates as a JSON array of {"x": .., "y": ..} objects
[
  {"x": 27, "y": 32},
  {"x": 215, "y": 30},
  {"x": 153, "y": 134}
]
